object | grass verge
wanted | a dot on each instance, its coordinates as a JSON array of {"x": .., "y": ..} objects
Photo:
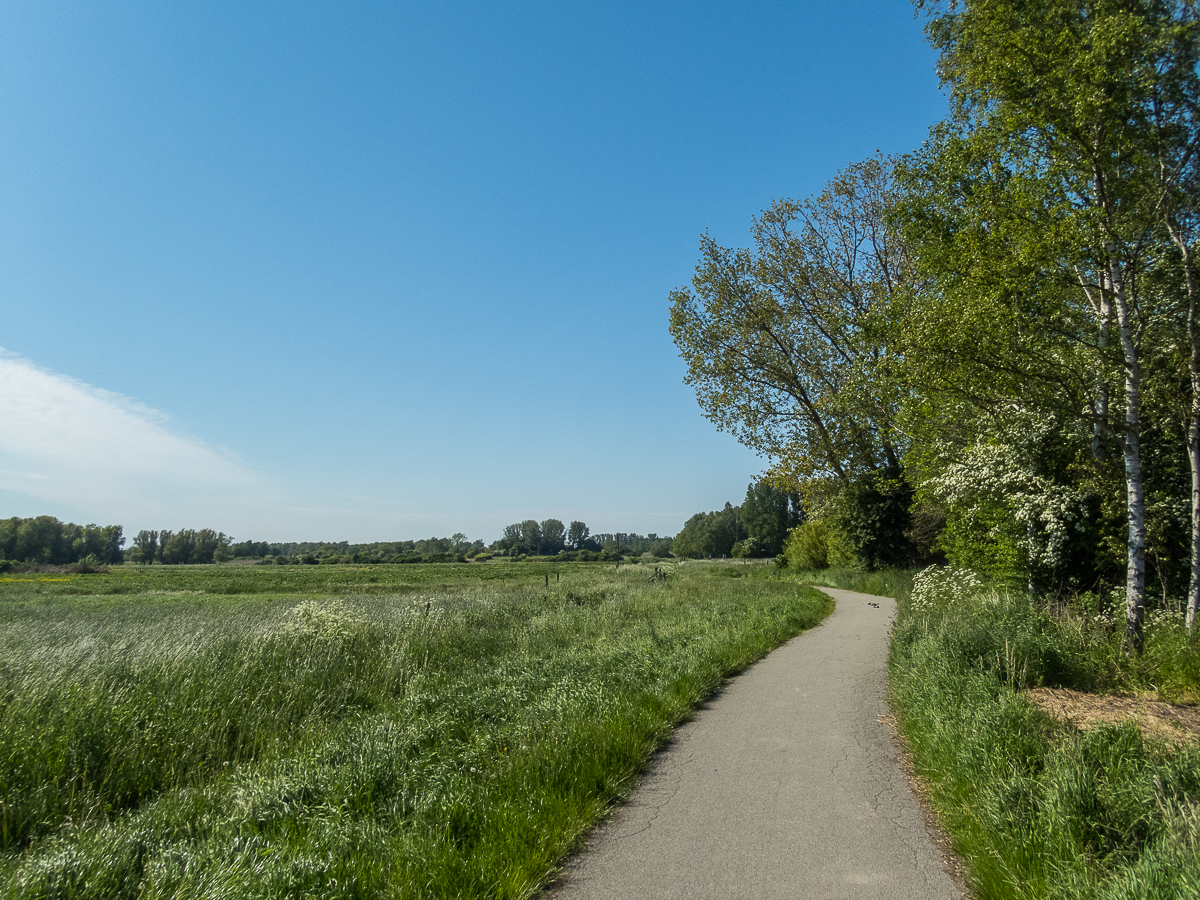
[
  {"x": 1036, "y": 807},
  {"x": 246, "y": 735},
  {"x": 881, "y": 583}
]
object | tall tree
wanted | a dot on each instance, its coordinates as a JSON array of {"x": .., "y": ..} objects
[
  {"x": 577, "y": 535},
  {"x": 531, "y": 536},
  {"x": 774, "y": 337},
  {"x": 145, "y": 547},
  {"x": 768, "y": 514},
  {"x": 554, "y": 536},
  {"x": 710, "y": 534},
  {"x": 1080, "y": 116}
]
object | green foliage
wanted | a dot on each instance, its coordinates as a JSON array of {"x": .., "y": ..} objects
[
  {"x": 767, "y": 515},
  {"x": 412, "y": 731},
  {"x": 45, "y": 540},
  {"x": 710, "y": 535},
  {"x": 776, "y": 338},
  {"x": 808, "y": 546},
  {"x": 1052, "y": 217},
  {"x": 872, "y": 519},
  {"x": 662, "y": 549},
  {"x": 1036, "y": 807}
]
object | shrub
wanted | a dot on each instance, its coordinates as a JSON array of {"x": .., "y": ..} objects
[{"x": 808, "y": 546}]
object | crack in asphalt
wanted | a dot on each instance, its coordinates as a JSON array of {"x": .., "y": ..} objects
[{"x": 657, "y": 773}]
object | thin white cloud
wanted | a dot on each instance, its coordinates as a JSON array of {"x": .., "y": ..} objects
[{"x": 71, "y": 443}]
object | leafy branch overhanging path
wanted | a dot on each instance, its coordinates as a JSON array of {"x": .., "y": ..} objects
[{"x": 786, "y": 784}]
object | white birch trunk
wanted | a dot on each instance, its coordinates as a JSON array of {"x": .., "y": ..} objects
[
  {"x": 1100, "y": 404},
  {"x": 1193, "y": 421},
  {"x": 1194, "y": 460},
  {"x": 1193, "y": 441},
  {"x": 1135, "y": 575}
]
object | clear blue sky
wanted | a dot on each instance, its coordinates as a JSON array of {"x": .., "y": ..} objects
[{"x": 384, "y": 270}]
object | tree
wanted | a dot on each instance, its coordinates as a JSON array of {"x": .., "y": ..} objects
[
  {"x": 776, "y": 340},
  {"x": 662, "y": 548},
  {"x": 176, "y": 547},
  {"x": 46, "y": 540},
  {"x": 145, "y": 547},
  {"x": 554, "y": 537},
  {"x": 531, "y": 536},
  {"x": 511, "y": 537},
  {"x": 710, "y": 534},
  {"x": 1070, "y": 147},
  {"x": 873, "y": 517},
  {"x": 577, "y": 535},
  {"x": 768, "y": 514}
]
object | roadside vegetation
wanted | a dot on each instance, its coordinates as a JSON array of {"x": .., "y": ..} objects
[
  {"x": 1038, "y": 806},
  {"x": 409, "y": 731}
]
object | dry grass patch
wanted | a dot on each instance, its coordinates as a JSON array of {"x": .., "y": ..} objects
[{"x": 1157, "y": 720}]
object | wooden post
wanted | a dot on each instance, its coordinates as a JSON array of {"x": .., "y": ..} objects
[{"x": 547, "y": 579}]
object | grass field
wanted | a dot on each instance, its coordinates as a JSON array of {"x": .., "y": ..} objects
[{"x": 408, "y": 731}]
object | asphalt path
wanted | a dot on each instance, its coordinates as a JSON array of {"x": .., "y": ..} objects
[{"x": 787, "y": 783}]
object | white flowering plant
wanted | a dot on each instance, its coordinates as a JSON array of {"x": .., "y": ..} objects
[
  {"x": 1006, "y": 514},
  {"x": 942, "y": 587}
]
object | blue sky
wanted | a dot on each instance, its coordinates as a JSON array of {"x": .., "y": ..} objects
[{"x": 384, "y": 270}]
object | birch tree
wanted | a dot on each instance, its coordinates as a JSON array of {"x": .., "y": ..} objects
[{"x": 1079, "y": 116}]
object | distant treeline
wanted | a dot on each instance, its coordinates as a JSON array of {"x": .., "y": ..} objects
[
  {"x": 434, "y": 549},
  {"x": 551, "y": 538},
  {"x": 180, "y": 547},
  {"x": 759, "y": 527},
  {"x": 44, "y": 540}
]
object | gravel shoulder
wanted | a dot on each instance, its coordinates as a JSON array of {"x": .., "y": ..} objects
[{"x": 787, "y": 783}]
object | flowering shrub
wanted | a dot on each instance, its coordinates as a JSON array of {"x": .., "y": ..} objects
[
  {"x": 940, "y": 587},
  {"x": 1005, "y": 512}
]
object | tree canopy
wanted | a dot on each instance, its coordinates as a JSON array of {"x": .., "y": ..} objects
[
  {"x": 775, "y": 338},
  {"x": 1047, "y": 216},
  {"x": 1005, "y": 320}
]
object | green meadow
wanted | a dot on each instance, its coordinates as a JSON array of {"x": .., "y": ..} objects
[{"x": 320, "y": 731}]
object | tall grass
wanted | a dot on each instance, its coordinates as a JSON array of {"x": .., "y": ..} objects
[
  {"x": 882, "y": 583},
  {"x": 1036, "y": 807},
  {"x": 435, "y": 739}
]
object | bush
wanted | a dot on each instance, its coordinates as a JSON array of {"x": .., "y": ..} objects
[
  {"x": 873, "y": 517},
  {"x": 807, "y": 546}
]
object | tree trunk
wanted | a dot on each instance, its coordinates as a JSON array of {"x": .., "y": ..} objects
[
  {"x": 1193, "y": 416},
  {"x": 1135, "y": 576},
  {"x": 1193, "y": 430},
  {"x": 1194, "y": 460},
  {"x": 1100, "y": 404}
]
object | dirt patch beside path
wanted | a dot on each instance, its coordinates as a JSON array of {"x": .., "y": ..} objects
[{"x": 1171, "y": 722}]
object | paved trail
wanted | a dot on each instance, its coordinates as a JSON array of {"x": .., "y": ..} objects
[{"x": 786, "y": 784}]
